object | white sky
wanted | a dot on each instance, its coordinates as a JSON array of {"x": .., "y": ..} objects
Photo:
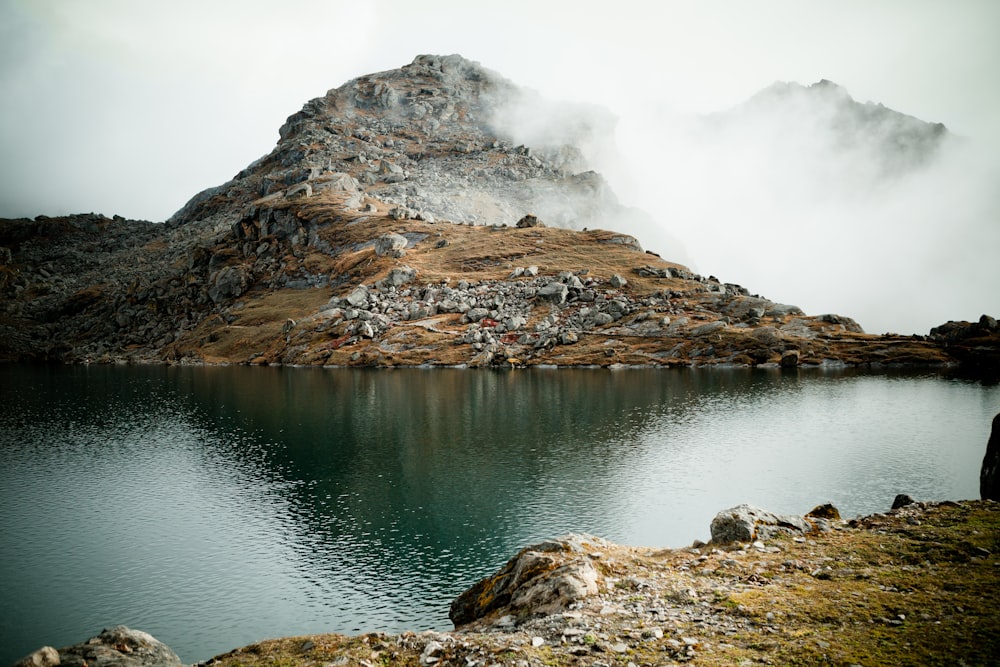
[{"x": 133, "y": 106}]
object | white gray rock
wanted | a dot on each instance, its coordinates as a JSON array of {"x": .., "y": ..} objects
[
  {"x": 708, "y": 328},
  {"x": 554, "y": 292},
  {"x": 119, "y": 647},
  {"x": 746, "y": 523},
  {"x": 43, "y": 657},
  {"x": 390, "y": 245}
]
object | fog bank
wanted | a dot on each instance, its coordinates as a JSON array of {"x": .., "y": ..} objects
[{"x": 801, "y": 212}]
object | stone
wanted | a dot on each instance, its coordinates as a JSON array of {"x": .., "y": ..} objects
[
  {"x": 228, "y": 282},
  {"x": 529, "y": 221},
  {"x": 476, "y": 314},
  {"x": 119, "y": 647},
  {"x": 554, "y": 292},
  {"x": 746, "y": 523},
  {"x": 601, "y": 319},
  {"x": 358, "y": 297},
  {"x": 43, "y": 657},
  {"x": 708, "y": 328},
  {"x": 618, "y": 282},
  {"x": 624, "y": 240},
  {"x": 543, "y": 578},
  {"x": 989, "y": 474},
  {"x": 902, "y": 500},
  {"x": 790, "y": 359},
  {"x": 825, "y": 511},
  {"x": 301, "y": 190},
  {"x": 782, "y": 309},
  {"x": 399, "y": 276},
  {"x": 390, "y": 245}
]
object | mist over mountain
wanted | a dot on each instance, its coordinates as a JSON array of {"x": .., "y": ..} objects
[
  {"x": 799, "y": 191},
  {"x": 834, "y": 203},
  {"x": 518, "y": 249}
]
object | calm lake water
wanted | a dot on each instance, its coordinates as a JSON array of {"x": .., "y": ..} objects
[{"x": 213, "y": 507}]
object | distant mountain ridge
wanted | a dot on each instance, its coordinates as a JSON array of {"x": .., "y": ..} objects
[
  {"x": 896, "y": 141},
  {"x": 399, "y": 221}
]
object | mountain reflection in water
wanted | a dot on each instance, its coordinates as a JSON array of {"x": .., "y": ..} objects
[{"x": 213, "y": 507}]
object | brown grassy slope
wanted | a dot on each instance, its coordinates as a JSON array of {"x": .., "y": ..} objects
[{"x": 258, "y": 330}]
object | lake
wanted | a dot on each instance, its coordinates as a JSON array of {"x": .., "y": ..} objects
[{"x": 214, "y": 507}]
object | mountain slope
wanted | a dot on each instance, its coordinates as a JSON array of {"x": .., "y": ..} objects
[{"x": 396, "y": 222}]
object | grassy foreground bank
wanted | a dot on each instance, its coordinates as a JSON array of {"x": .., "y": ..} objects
[{"x": 916, "y": 586}]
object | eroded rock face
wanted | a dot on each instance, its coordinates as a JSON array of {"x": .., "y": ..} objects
[
  {"x": 542, "y": 578},
  {"x": 989, "y": 474}
]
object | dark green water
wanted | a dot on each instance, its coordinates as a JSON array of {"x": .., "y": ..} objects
[{"x": 213, "y": 507}]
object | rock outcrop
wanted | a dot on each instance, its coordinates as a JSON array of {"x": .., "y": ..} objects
[
  {"x": 114, "y": 647},
  {"x": 746, "y": 523},
  {"x": 540, "y": 579},
  {"x": 989, "y": 475}
]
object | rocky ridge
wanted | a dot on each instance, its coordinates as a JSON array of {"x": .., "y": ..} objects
[{"x": 397, "y": 222}]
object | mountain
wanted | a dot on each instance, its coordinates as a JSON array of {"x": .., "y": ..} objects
[
  {"x": 400, "y": 220},
  {"x": 893, "y": 142}
]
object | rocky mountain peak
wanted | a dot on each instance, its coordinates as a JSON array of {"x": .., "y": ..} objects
[
  {"x": 442, "y": 137},
  {"x": 825, "y": 112}
]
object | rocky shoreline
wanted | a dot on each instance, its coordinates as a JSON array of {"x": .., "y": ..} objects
[{"x": 914, "y": 585}]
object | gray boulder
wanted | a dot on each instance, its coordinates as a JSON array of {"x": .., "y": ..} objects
[
  {"x": 708, "y": 328},
  {"x": 358, "y": 297},
  {"x": 782, "y": 309},
  {"x": 746, "y": 523},
  {"x": 543, "y": 578},
  {"x": 114, "y": 647},
  {"x": 790, "y": 359},
  {"x": 43, "y": 657},
  {"x": 555, "y": 292},
  {"x": 399, "y": 276},
  {"x": 476, "y": 314},
  {"x": 390, "y": 245}
]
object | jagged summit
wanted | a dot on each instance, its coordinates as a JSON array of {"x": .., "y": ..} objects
[
  {"x": 437, "y": 137},
  {"x": 825, "y": 112}
]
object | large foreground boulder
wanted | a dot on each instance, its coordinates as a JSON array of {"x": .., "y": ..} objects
[
  {"x": 543, "y": 578},
  {"x": 746, "y": 523},
  {"x": 114, "y": 647},
  {"x": 989, "y": 474}
]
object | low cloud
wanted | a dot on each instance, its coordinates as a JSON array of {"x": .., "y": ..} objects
[{"x": 805, "y": 196}]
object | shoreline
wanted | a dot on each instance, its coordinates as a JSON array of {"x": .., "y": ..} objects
[{"x": 915, "y": 584}]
